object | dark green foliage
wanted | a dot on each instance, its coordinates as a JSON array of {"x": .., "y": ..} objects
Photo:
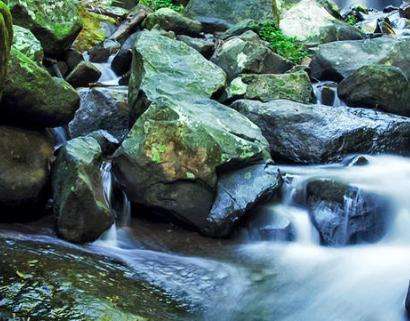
[
  {"x": 158, "y": 4},
  {"x": 287, "y": 47},
  {"x": 351, "y": 20}
]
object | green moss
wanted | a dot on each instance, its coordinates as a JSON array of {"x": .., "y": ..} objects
[
  {"x": 6, "y": 38},
  {"x": 351, "y": 20},
  {"x": 158, "y": 4},
  {"x": 287, "y": 47}
]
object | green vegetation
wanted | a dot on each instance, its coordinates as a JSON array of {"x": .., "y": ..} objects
[
  {"x": 158, "y": 4},
  {"x": 287, "y": 47},
  {"x": 351, "y": 20}
]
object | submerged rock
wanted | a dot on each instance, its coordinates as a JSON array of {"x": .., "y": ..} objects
[
  {"x": 32, "y": 97},
  {"x": 240, "y": 55},
  {"x": 293, "y": 86},
  {"x": 25, "y": 159},
  {"x": 79, "y": 206},
  {"x": 377, "y": 86},
  {"x": 83, "y": 75},
  {"x": 169, "y": 20},
  {"x": 56, "y": 23},
  {"x": 338, "y": 60},
  {"x": 27, "y": 43},
  {"x": 230, "y": 12},
  {"x": 6, "y": 38},
  {"x": 317, "y": 134},
  {"x": 345, "y": 214},
  {"x": 52, "y": 282},
  {"x": 102, "y": 108},
  {"x": 171, "y": 158},
  {"x": 163, "y": 66}
]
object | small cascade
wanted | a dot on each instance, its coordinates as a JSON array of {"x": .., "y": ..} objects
[
  {"x": 108, "y": 76},
  {"x": 60, "y": 136}
]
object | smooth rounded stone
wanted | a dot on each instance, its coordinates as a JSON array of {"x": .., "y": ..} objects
[
  {"x": 238, "y": 192},
  {"x": 6, "y": 38},
  {"x": 108, "y": 143},
  {"x": 169, "y": 20},
  {"x": 345, "y": 214},
  {"x": 171, "y": 157},
  {"x": 73, "y": 58},
  {"x": 310, "y": 22},
  {"x": 56, "y": 23},
  {"x": 293, "y": 86},
  {"x": 81, "y": 211},
  {"x": 320, "y": 134},
  {"x": 167, "y": 67},
  {"x": 50, "y": 280},
  {"x": 231, "y": 12},
  {"x": 32, "y": 97},
  {"x": 101, "y": 52},
  {"x": 338, "y": 60},
  {"x": 377, "y": 86},
  {"x": 25, "y": 158},
  {"x": 102, "y": 108},
  {"x": 205, "y": 46},
  {"x": 355, "y": 160},
  {"x": 27, "y": 43},
  {"x": 83, "y": 75},
  {"x": 238, "y": 56},
  {"x": 121, "y": 63}
]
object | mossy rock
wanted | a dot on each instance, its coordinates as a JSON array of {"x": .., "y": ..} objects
[
  {"x": 25, "y": 158},
  {"x": 56, "y": 23},
  {"x": 28, "y": 44},
  {"x": 32, "y": 97},
  {"x": 6, "y": 38},
  {"x": 50, "y": 282},
  {"x": 79, "y": 206}
]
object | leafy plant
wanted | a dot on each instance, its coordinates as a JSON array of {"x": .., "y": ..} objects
[
  {"x": 287, "y": 47},
  {"x": 351, "y": 20},
  {"x": 158, "y": 4}
]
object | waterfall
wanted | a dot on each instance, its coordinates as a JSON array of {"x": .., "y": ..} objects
[{"x": 60, "y": 136}]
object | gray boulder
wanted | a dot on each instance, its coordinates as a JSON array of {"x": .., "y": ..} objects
[
  {"x": 318, "y": 134},
  {"x": 83, "y": 75}
]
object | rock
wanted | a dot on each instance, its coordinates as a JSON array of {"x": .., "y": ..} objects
[
  {"x": 121, "y": 63},
  {"x": 84, "y": 74},
  {"x": 25, "y": 158},
  {"x": 345, "y": 214},
  {"x": 73, "y": 58},
  {"x": 231, "y": 12},
  {"x": 377, "y": 86},
  {"x": 338, "y": 60},
  {"x": 101, "y": 52},
  {"x": 28, "y": 44},
  {"x": 169, "y": 20},
  {"x": 130, "y": 24},
  {"x": 171, "y": 157},
  {"x": 163, "y": 66},
  {"x": 355, "y": 160},
  {"x": 79, "y": 205},
  {"x": 107, "y": 142},
  {"x": 318, "y": 134},
  {"x": 204, "y": 46},
  {"x": 239, "y": 29},
  {"x": 310, "y": 22},
  {"x": 407, "y": 303},
  {"x": 292, "y": 86},
  {"x": 238, "y": 192},
  {"x": 35, "y": 274},
  {"x": 32, "y": 97},
  {"x": 6, "y": 38},
  {"x": 102, "y": 108},
  {"x": 56, "y": 23},
  {"x": 237, "y": 56}
]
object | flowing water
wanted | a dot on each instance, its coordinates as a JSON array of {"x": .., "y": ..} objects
[{"x": 374, "y": 4}]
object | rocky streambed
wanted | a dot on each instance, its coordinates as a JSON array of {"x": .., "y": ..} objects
[{"x": 204, "y": 160}]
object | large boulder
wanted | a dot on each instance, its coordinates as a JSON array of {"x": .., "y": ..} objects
[
  {"x": 25, "y": 159},
  {"x": 56, "y": 23},
  {"x": 81, "y": 211},
  {"x": 377, "y": 86},
  {"x": 241, "y": 55},
  {"x": 292, "y": 86},
  {"x": 173, "y": 155},
  {"x": 316, "y": 133},
  {"x": 310, "y": 22},
  {"x": 230, "y": 12},
  {"x": 163, "y": 66},
  {"x": 102, "y": 108},
  {"x": 84, "y": 74},
  {"x": 32, "y": 97},
  {"x": 6, "y": 38},
  {"x": 345, "y": 214},
  {"x": 338, "y": 60},
  {"x": 27, "y": 43}
]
